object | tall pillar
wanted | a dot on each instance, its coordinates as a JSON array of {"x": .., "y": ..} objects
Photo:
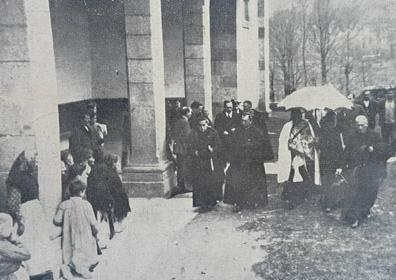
[
  {"x": 45, "y": 101},
  {"x": 247, "y": 51},
  {"x": 197, "y": 61},
  {"x": 148, "y": 172},
  {"x": 28, "y": 94},
  {"x": 267, "y": 90}
]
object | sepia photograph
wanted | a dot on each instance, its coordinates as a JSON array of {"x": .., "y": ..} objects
[{"x": 198, "y": 139}]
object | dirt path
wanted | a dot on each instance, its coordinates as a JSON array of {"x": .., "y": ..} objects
[{"x": 166, "y": 240}]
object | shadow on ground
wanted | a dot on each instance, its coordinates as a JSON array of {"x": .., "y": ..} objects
[{"x": 305, "y": 243}]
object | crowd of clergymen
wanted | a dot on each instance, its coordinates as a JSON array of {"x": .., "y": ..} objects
[{"x": 336, "y": 150}]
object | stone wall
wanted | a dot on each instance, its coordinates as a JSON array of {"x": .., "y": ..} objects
[
  {"x": 90, "y": 49},
  {"x": 224, "y": 53},
  {"x": 15, "y": 128},
  {"x": 70, "y": 30},
  {"x": 108, "y": 49},
  {"x": 172, "y": 30},
  {"x": 28, "y": 98}
]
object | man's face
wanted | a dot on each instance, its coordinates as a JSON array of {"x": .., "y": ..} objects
[
  {"x": 69, "y": 160},
  {"x": 189, "y": 114},
  {"x": 93, "y": 109},
  {"x": 246, "y": 107},
  {"x": 200, "y": 108},
  {"x": 361, "y": 126},
  {"x": 91, "y": 161},
  {"x": 205, "y": 112},
  {"x": 366, "y": 96},
  {"x": 203, "y": 126},
  {"x": 246, "y": 121},
  {"x": 86, "y": 120},
  {"x": 228, "y": 107}
]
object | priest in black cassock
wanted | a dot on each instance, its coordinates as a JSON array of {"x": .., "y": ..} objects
[
  {"x": 246, "y": 185},
  {"x": 207, "y": 171},
  {"x": 366, "y": 156}
]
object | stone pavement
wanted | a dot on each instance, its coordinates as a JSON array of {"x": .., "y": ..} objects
[
  {"x": 166, "y": 239},
  {"x": 150, "y": 229}
]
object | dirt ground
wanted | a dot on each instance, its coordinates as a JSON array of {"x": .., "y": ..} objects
[
  {"x": 305, "y": 243},
  {"x": 277, "y": 244}
]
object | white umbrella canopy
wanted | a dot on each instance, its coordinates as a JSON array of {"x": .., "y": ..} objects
[{"x": 311, "y": 98}]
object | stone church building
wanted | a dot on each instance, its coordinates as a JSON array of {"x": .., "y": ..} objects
[{"x": 129, "y": 56}]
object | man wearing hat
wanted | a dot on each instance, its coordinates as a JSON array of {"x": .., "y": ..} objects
[{"x": 370, "y": 108}]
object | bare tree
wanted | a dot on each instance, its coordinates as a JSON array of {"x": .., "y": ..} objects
[
  {"x": 325, "y": 31},
  {"x": 349, "y": 23},
  {"x": 303, "y": 5},
  {"x": 285, "y": 43}
]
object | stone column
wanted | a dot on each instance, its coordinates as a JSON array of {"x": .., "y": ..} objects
[
  {"x": 28, "y": 99},
  {"x": 148, "y": 172},
  {"x": 247, "y": 51},
  {"x": 45, "y": 101},
  {"x": 197, "y": 61},
  {"x": 267, "y": 90}
]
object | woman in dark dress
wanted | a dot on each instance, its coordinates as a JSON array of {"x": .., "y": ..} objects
[
  {"x": 99, "y": 194},
  {"x": 28, "y": 213},
  {"x": 208, "y": 175},
  {"x": 121, "y": 206},
  {"x": 22, "y": 187}
]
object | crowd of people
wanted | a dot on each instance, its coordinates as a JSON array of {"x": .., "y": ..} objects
[
  {"x": 94, "y": 205},
  {"x": 338, "y": 151},
  {"x": 342, "y": 152},
  {"x": 220, "y": 160},
  {"x": 231, "y": 149}
]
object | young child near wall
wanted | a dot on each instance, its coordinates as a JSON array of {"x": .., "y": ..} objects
[{"x": 79, "y": 233}]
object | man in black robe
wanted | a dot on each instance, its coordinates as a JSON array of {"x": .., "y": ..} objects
[
  {"x": 246, "y": 185},
  {"x": 259, "y": 118},
  {"x": 226, "y": 123},
  {"x": 196, "y": 108},
  {"x": 180, "y": 135},
  {"x": 208, "y": 175},
  {"x": 366, "y": 156},
  {"x": 82, "y": 137}
]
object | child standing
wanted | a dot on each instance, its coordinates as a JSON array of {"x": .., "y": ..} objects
[{"x": 79, "y": 231}]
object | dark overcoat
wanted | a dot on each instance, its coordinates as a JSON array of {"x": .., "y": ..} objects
[
  {"x": 208, "y": 174},
  {"x": 246, "y": 184},
  {"x": 366, "y": 172}
]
